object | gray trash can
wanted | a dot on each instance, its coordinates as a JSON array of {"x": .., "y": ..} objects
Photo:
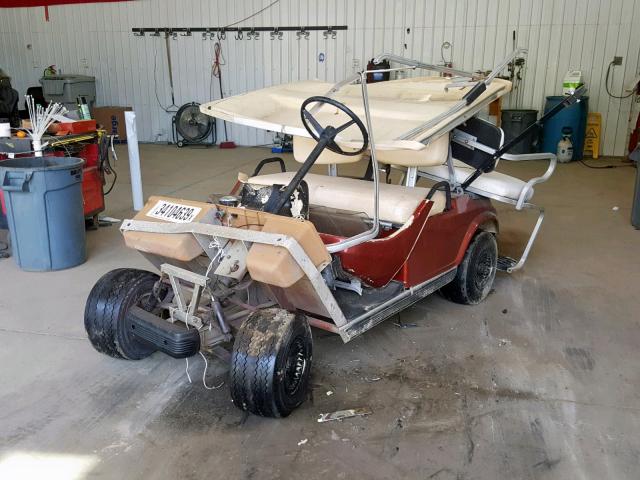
[
  {"x": 44, "y": 211},
  {"x": 514, "y": 122}
]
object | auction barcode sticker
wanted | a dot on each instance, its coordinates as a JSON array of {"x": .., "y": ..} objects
[{"x": 173, "y": 212}]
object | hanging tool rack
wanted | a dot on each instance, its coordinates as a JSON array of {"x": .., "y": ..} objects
[{"x": 239, "y": 33}]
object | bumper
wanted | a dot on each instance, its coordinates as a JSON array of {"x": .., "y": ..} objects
[{"x": 174, "y": 339}]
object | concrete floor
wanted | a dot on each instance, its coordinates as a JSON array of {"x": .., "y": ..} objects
[{"x": 540, "y": 381}]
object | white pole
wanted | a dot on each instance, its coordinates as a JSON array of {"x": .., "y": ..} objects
[
  {"x": 134, "y": 160},
  {"x": 37, "y": 147}
]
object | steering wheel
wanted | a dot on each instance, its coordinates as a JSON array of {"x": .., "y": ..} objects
[
  {"x": 325, "y": 136},
  {"x": 329, "y": 132}
]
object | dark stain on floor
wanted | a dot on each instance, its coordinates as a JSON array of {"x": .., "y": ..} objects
[{"x": 580, "y": 358}]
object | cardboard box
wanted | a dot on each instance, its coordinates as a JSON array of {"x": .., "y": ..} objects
[{"x": 112, "y": 120}]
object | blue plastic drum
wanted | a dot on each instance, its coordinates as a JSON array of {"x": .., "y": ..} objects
[{"x": 574, "y": 117}]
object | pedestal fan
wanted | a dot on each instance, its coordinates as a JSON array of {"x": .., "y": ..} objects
[{"x": 192, "y": 127}]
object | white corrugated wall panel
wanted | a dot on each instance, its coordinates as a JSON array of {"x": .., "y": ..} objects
[{"x": 96, "y": 39}]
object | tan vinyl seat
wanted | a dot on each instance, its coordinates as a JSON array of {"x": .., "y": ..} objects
[
  {"x": 430, "y": 155},
  {"x": 397, "y": 202},
  {"x": 489, "y": 184}
]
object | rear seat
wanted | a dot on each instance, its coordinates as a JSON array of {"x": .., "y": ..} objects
[
  {"x": 492, "y": 184},
  {"x": 397, "y": 202}
]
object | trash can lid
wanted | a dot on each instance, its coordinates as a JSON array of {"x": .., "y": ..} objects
[
  {"x": 68, "y": 78},
  {"x": 41, "y": 163},
  {"x": 518, "y": 110},
  {"x": 557, "y": 98}
]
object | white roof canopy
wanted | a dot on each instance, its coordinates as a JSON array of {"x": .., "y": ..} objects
[{"x": 397, "y": 107}]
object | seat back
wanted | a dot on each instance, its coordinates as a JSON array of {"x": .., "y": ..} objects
[
  {"x": 302, "y": 147},
  {"x": 433, "y": 154},
  {"x": 482, "y": 132}
]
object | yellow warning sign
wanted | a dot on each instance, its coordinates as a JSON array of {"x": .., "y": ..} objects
[{"x": 592, "y": 137}]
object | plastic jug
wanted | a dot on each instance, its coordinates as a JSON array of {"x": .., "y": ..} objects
[{"x": 565, "y": 147}]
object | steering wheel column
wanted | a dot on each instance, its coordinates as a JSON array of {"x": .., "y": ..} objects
[{"x": 325, "y": 136}]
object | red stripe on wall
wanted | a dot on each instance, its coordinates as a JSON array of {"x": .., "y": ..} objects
[{"x": 45, "y": 3}]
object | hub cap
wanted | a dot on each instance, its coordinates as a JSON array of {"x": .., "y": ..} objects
[
  {"x": 485, "y": 269},
  {"x": 295, "y": 367}
]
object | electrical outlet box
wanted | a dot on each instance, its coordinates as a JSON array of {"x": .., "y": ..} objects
[{"x": 617, "y": 60}]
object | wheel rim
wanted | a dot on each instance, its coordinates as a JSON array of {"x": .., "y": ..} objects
[
  {"x": 484, "y": 270},
  {"x": 295, "y": 366}
]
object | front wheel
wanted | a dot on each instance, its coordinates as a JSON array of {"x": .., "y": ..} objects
[
  {"x": 107, "y": 306},
  {"x": 475, "y": 275},
  {"x": 271, "y": 363}
]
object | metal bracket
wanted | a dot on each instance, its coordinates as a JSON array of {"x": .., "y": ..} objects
[
  {"x": 276, "y": 33},
  {"x": 233, "y": 261},
  {"x": 411, "y": 177},
  {"x": 330, "y": 32},
  {"x": 185, "y": 312},
  {"x": 467, "y": 140},
  {"x": 354, "y": 285},
  {"x": 456, "y": 188}
]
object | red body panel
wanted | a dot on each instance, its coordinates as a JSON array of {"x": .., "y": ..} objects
[
  {"x": 420, "y": 250},
  {"x": 77, "y": 127},
  {"x": 92, "y": 197}
]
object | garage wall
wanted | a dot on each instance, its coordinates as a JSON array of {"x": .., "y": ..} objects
[{"x": 96, "y": 39}]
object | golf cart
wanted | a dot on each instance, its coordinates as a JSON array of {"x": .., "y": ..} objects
[{"x": 246, "y": 276}]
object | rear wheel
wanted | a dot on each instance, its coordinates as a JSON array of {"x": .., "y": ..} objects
[
  {"x": 476, "y": 273},
  {"x": 271, "y": 362},
  {"x": 104, "y": 315}
]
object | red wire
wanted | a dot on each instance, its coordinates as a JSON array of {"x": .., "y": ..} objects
[
  {"x": 218, "y": 60},
  {"x": 217, "y": 55}
]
